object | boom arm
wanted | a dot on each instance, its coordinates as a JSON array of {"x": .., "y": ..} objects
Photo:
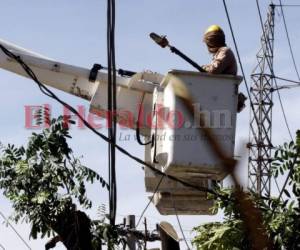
[{"x": 75, "y": 80}]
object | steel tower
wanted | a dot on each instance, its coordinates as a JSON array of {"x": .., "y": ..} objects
[{"x": 260, "y": 141}]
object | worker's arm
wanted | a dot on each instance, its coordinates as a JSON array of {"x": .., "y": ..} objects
[{"x": 220, "y": 62}]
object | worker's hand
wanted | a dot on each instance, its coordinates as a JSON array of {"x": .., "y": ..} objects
[
  {"x": 204, "y": 67},
  {"x": 241, "y": 102}
]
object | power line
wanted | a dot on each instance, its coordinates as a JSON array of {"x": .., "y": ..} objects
[
  {"x": 287, "y": 87},
  {"x": 15, "y": 230},
  {"x": 150, "y": 201},
  {"x": 277, "y": 185},
  {"x": 287, "y": 5},
  {"x": 2, "y": 247},
  {"x": 286, "y": 80},
  {"x": 111, "y": 107},
  {"x": 240, "y": 63},
  {"x": 289, "y": 41},
  {"x": 179, "y": 223},
  {"x": 284, "y": 114}
]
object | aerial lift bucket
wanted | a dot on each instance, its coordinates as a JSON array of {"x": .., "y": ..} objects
[{"x": 181, "y": 148}]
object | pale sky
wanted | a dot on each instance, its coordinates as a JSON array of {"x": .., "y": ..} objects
[{"x": 74, "y": 32}]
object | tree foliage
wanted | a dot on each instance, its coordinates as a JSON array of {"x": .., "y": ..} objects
[
  {"x": 281, "y": 216},
  {"x": 45, "y": 183}
]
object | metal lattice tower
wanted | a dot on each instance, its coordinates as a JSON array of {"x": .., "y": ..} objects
[{"x": 260, "y": 144}]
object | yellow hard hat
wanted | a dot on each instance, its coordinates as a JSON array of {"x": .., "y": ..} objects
[{"x": 213, "y": 28}]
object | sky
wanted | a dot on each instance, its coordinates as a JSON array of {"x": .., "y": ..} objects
[{"x": 74, "y": 32}]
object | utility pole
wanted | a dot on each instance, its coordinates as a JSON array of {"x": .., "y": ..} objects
[
  {"x": 130, "y": 238},
  {"x": 260, "y": 141}
]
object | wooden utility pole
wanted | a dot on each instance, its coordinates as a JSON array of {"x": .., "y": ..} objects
[{"x": 130, "y": 238}]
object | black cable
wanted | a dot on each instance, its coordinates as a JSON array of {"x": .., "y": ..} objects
[
  {"x": 278, "y": 189},
  {"x": 109, "y": 108},
  {"x": 138, "y": 129},
  {"x": 289, "y": 41},
  {"x": 15, "y": 231},
  {"x": 287, "y": 80},
  {"x": 295, "y": 67},
  {"x": 114, "y": 92},
  {"x": 284, "y": 114},
  {"x": 49, "y": 93},
  {"x": 287, "y": 87},
  {"x": 179, "y": 223},
  {"x": 288, "y": 5},
  {"x": 242, "y": 69},
  {"x": 150, "y": 201},
  {"x": 112, "y": 107}
]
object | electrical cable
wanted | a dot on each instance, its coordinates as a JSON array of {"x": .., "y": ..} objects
[
  {"x": 287, "y": 80},
  {"x": 111, "y": 107},
  {"x": 242, "y": 68},
  {"x": 296, "y": 85},
  {"x": 138, "y": 129},
  {"x": 289, "y": 40},
  {"x": 287, "y": 5},
  {"x": 2, "y": 247},
  {"x": 295, "y": 67},
  {"x": 284, "y": 115},
  {"x": 50, "y": 94},
  {"x": 286, "y": 87},
  {"x": 277, "y": 185},
  {"x": 179, "y": 223},
  {"x": 114, "y": 92},
  {"x": 150, "y": 201},
  {"x": 14, "y": 229}
]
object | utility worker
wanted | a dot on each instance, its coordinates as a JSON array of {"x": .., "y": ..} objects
[{"x": 223, "y": 61}]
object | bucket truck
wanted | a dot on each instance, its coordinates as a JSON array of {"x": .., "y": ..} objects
[{"x": 178, "y": 148}]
